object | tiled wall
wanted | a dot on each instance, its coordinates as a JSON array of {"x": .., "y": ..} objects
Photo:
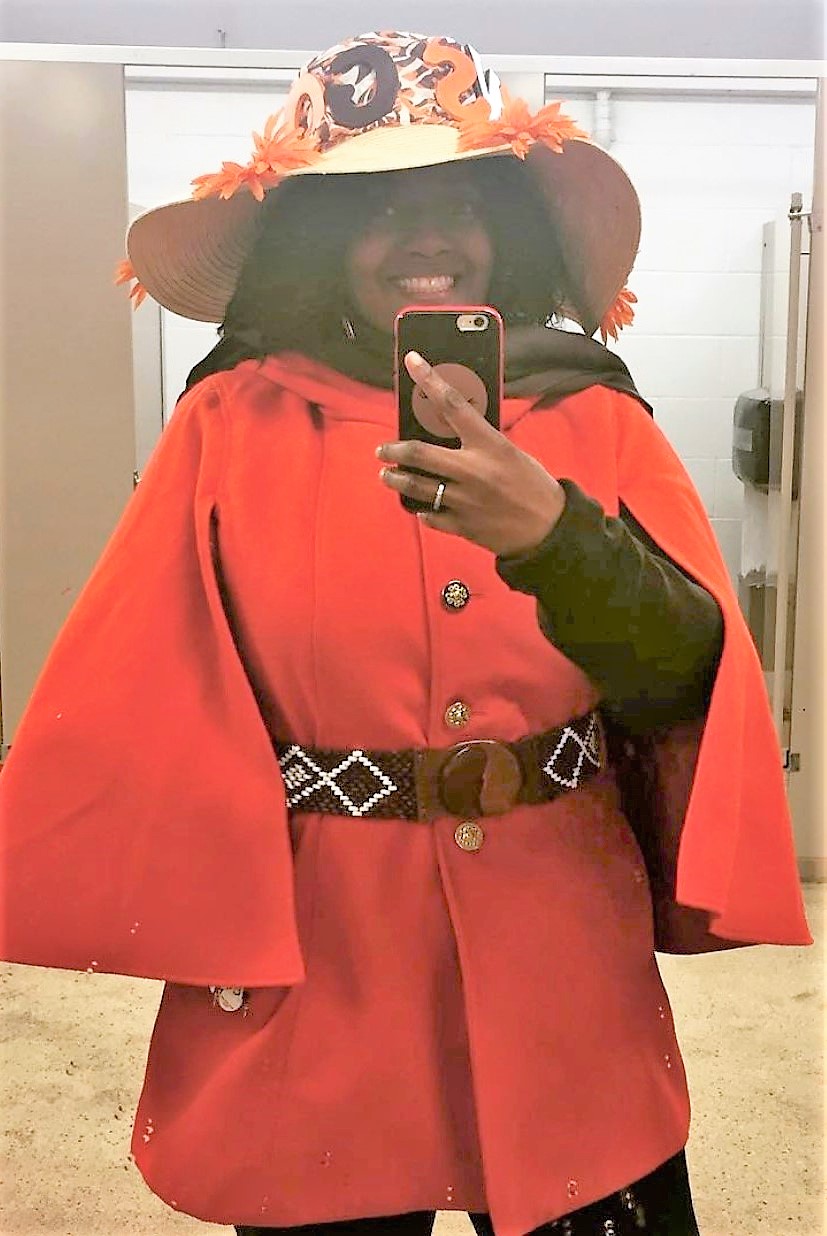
[{"x": 709, "y": 171}]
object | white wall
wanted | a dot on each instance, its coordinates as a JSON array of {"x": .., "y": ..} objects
[
  {"x": 710, "y": 172},
  {"x": 174, "y": 134}
]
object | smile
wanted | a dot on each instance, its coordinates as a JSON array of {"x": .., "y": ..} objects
[{"x": 426, "y": 285}]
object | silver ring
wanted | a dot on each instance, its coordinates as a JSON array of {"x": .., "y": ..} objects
[{"x": 438, "y": 496}]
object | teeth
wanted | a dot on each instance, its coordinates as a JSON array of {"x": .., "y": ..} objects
[{"x": 427, "y": 283}]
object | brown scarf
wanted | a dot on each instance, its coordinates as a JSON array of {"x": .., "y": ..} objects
[{"x": 542, "y": 361}]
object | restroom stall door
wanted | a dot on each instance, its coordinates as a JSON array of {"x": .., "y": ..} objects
[
  {"x": 148, "y": 376},
  {"x": 67, "y": 431},
  {"x": 807, "y": 777},
  {"x": 769, "y": 530},
  {"x": 785, "y": 384}
]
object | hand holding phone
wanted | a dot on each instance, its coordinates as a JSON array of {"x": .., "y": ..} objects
[
  {"x": 464, "y": 345},
  {"x": 495, "y": 494}
]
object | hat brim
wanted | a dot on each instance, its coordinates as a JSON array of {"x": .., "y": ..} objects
[{"x": 188, "y": 254}]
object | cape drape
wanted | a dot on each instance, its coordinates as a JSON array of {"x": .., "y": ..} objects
[
  {"x": 144, "y": 822},
  {"x": 714, "y": 823},
  {"x": 142, "y": 809}
]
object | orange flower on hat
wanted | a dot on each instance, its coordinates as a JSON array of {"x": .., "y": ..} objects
[
  {"x": 619, "y": 314},
  {"x": 520, "y": 128},
  {"x": 277, "y": 150},
  {"x": 124, "y": 273},
  {"x": 283, "y": 149},
  {"x": 224, "y": 183}
]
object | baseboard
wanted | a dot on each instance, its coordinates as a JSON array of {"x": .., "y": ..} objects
[{"x": 812, "y": 870}]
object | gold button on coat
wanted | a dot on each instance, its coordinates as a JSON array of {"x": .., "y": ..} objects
[
  {"x": 230, "y": 999},
  {"x": 455, "y": 594},
  {"x": 457, "y": 714},
  {"x": 469, "y": 835}
]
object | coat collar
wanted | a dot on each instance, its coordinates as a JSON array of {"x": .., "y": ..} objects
[
  {"x": 347, "y": 399},
  {"x": 543, "y": 366}
]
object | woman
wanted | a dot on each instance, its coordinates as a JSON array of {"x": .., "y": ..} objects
[{"x": 362, "y": 786}]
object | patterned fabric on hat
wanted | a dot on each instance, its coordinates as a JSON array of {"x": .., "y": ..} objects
[{"x": 381, "y": 79}]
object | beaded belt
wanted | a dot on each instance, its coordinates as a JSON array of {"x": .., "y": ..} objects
[{"x": 475, "y": 778}]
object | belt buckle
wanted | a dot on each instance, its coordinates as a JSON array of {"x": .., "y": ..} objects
[{"x": 479, "y": 777}]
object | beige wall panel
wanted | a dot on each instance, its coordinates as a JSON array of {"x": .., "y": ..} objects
[
  {"x": 67, "y": 440},
  {"x": 808, "y": 737}
]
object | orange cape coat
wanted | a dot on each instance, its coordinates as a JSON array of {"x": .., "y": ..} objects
[{"x": 144, "y": 827}]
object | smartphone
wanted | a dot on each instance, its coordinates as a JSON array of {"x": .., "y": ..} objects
[{"x": 464, "y": 343}]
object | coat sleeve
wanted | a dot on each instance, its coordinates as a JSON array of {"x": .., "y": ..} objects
[
  {"x": 646, "y": 634},
  {"x": 143, "y": 820},
  {"x": 714, "y": 819}
]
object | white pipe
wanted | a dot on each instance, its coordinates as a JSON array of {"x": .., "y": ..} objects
[{"x": 604, "y": 120}]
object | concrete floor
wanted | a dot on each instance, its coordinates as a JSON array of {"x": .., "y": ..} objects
[{"x": 750, "y": 1024}]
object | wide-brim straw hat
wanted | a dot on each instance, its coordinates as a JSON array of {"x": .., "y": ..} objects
[{"x": 385, "y": 102}]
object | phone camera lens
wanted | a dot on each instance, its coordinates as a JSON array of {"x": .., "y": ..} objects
[{"x": 480, "y": 321}]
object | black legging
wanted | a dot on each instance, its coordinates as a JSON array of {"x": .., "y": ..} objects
[{"x": 660, "y": 1205}]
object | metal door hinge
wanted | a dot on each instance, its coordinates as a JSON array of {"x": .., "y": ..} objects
[{"x": 797, "y": 210}]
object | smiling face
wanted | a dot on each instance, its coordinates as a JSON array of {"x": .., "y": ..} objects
[{"x": 424, "y": 243}]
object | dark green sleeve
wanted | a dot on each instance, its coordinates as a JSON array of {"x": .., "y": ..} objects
[{"x": 646, "y": 633}]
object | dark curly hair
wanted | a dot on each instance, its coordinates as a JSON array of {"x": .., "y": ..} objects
[{"x": 292, "y": 286}]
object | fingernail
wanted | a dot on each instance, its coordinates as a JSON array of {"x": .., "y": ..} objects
[
  {"x": 380, "y": 450},
  {"x": 416, "y": 359}
]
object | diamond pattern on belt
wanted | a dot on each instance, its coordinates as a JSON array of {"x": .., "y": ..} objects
[{"x": 476, "y": 777}]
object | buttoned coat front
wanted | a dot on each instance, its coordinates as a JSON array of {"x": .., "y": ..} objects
[{"x": 425, "y": 1027}]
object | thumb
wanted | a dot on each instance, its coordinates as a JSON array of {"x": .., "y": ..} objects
[{"x": 467, "y": 421}]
